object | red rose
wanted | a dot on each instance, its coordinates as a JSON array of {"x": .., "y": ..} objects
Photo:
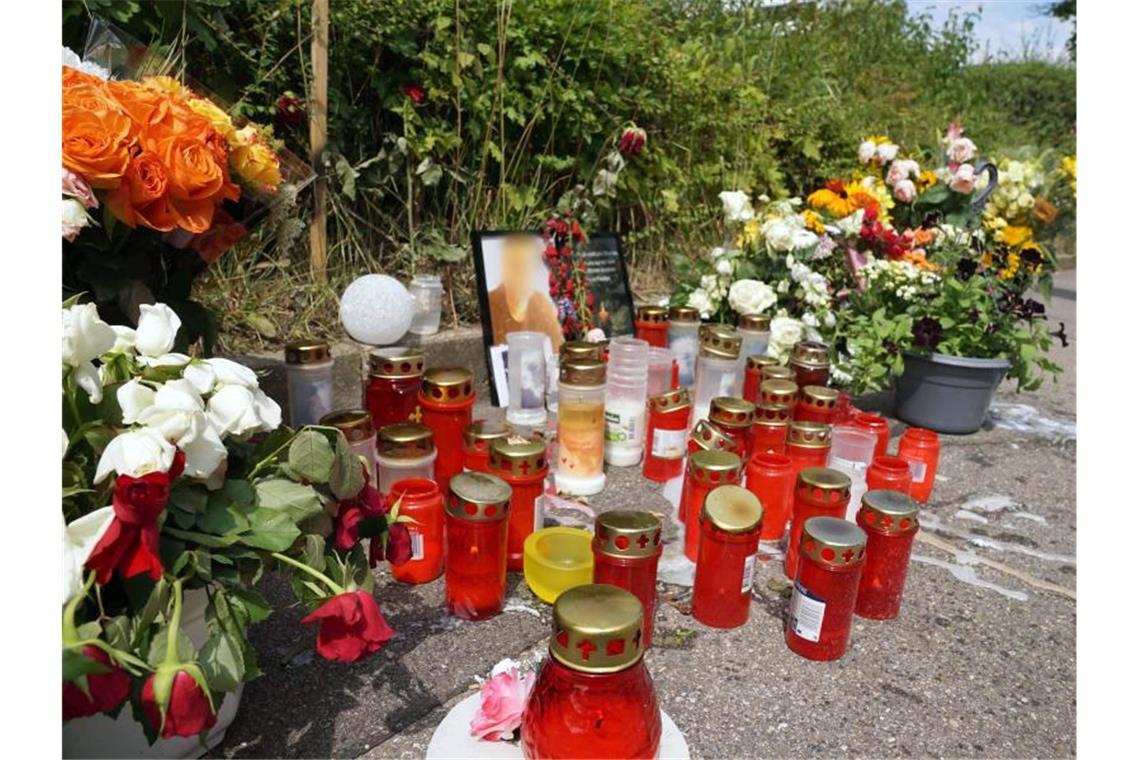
[
  {"x": 348, "y": 518},
  {"x": 415, "y": 93},
  {"x": 188, "y": 713},
  {"x": 351, "y": 626},
  {"x": 290, "y": 110},
  {"x": 105, "y": 691},
  {"x": 130, "y": 544},
  {"x": 399, "y": 548},
  {"x": 632, "y": 141}
]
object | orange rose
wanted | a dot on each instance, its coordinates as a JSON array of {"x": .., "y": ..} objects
[
  {"x": 141, "y": 197},
  {"x": 254, "y": 161},
  {"x": 93, "y": 98},
  {"x": 97, "y": 146},
  {"x": 73, "y": 77},
  {"x": 145, "y": 106},
  {"x": 196, "y": 181}
]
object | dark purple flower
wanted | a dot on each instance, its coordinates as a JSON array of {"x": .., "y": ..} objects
[
  {"x": 967, "y": 268},
  {"x": 927, "y": 333}
]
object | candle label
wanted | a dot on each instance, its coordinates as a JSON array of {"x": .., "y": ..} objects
[
  {"x": 625, "y": 422},
  {"x": 539, "y": 511},
  {"x": 805, "y": 613},
  {"x": 917, "y": 470},
  {"x": 749, "y": 574},
  {"x": 417, "y": 540},
  {"x": 668, "y": 444},
  {"x": 857, "y": 469}
]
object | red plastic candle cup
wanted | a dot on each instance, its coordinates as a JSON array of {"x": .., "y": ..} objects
[
  {"x": 770, "y": 429},
  {"x": 890, "y": 520},
  {"x": 523, "y": 467},
  {"x": 475, "y": 541},
  {"x": 726, "y": 558},
  {"x": 652, "y": 325},
  {"x": 445, "y": 398},
  {"x": 826, "y": 587},
  {"x": 820, "y": 492},
  {"x": 707, "y": 470},
  {"x": 808, "y": 444},
  {"x": 811, "y": 363},
  {"x": 888, "y": 473},
  {"x": 734, "y": 417},
  {"x": 666, "y": 435},
  {"x": 753, "y": 375},
  {"x": 420, "y": 500},
  {"x": 770, "y": 477},
  {"x": 394, "y": 375},
  {"x": 816, "y": 403},
  {"x": 920, "y": 447},
  {"x": 477, "y": 440},
  {"x": 627, "y": 546},
  {"x": 778, "y": 392},
  {"x": 844, "y": 411},
  {"x": 877, "y": 424},
  {"x": 708, "y": 437},
  {"x": 593, "y": 696}
]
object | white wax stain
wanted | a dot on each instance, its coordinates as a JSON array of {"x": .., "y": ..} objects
[
  {"x": 1024, "y": 418},
  {"x": 674, "y": 567},
  {"x": 931, "y": 522},
  {"x": 515, "y": 605},
  {"x": 962, "y": 514},
  {"x": 969, "y": 576},
  {"x": 1030, "y": 516},
  {"x": 990, "y": 503}
]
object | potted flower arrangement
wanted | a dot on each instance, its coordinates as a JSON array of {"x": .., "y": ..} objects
[{"x": 180, "y": 490}]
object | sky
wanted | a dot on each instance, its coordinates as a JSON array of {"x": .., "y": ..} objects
[{"x": 1006, "y": 26}]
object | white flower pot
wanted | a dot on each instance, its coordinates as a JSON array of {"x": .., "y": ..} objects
[{"x": 123, "y": 737}]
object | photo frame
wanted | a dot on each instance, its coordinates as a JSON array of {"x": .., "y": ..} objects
[{"x": 525, "y": 303}]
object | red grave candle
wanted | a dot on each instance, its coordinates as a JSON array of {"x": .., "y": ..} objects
[
  {"x": 446, "y": 397},
  {"x": 707, "y": 470},
  {"x": 420, "y": 500},
  {"x": 593, "y": 696},
  {"x": 771, "y": 478},
  {"x": 475, "y": 540},
  {"x": 733, "y": 417},
  {"x": 666, "y": 434},
  {"x": 776, "y": 391},
  {"x": 652, "y": 325},
  {"x": 477, "y": 439},
  {"x": 811, "y": 363},
  {"x": 825, "y": 590},
  {"x": 890, "y": 520},
  {"x": 708, "y": 437},
  {"x": 808, "y": 444},
  {"x": 888, "y": 473},
  {"x": 753, "y": 375},
  {"x": 920, "y": 447},
  {"x": 627, "y": 546},
  {"x": 770, "y": 429},
  {"x": 726, "y": 558},
  {"x": 816, "y": 403},
  {"x": 820, "y": 492},
  {"x": 522, "y": 465},
  {"x": 393, "y": 383},
  {"x": 877, "y": 424}
]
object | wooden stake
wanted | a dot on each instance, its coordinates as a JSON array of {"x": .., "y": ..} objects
[{"x": 318, "y": 137}]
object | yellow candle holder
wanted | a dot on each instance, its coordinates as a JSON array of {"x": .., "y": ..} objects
[{"x": 556, "y": 559}]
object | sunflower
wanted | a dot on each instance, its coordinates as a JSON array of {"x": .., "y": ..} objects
[
  {"x": 813, "y": 221},
  {"x": 840, "y": 199},
  {"x": 1015, "y": 235},
  {"x": 1012, "y": 264},
  {"x": 926, "y": 179}
]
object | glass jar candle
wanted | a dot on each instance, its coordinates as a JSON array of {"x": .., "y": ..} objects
[
  {"x": 774, "y": 392},
  {"x": 403, "y": 450},
  {"x": 820, "y": 492},
  {"x": 734, "y": 417},
  {"x": 826, "y": 587},
  {"x": 888, "y": 473},
  {"x": 726, "y": 557},
  {"x": 446, "y": 396},
  {"x": 684, "y": 324},
  {"x": 753, "y": 369},
  {"x": 706, "y": 436},
  {"x": 811, "y": 362},
  {"x": 356, "y": 427},
  {"x": 427, "y": 290},
  {"x": 475, "y": 540},
  {"x": 771, "y": 478},
  {"x": 662, "y": 372},
  {"x": 421, "y": 500},
  {"x": 808, "y": 444},
  {"x": 716, "y": 368},
  {"x": 706, "y": 471},
  {"x": 877, "y": 424},
  {"x": 770, "y": 429},
  {"x": 522, "y": 465},
  {"x": 627, "y": 375},
  {"x": 754, "y": 332},
  {"x": 852, "y": 449},
  {"x": 652, "y": 325},
  {"x": 627, "y": 545},
  {"x": 583, "y": 349},
  {"x": 477, "y": 440},
  {"x": 593, "y": 696},
  {"x": 920, "y": 448},
  {"x": 890, "y": 520},
  {"x": 816, "y": 403},
  {"x": 665, "y": 435},
  {"x": 581, "y": 427},
  {"x": 394, "y": 375},
  {"x": 526, "y": 377},
  {"x": 308, "y": 380}
]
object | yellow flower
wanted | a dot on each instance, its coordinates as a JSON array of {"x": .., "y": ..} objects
[
  {"x": 1015, "y": 236},
  {"x": 218, "y": 118},
  {"x": 169, "y": 86},
  {"x": 1012, "y": 264},
  {"x": 841, "y": 199},
  {"x": 879, "y": 139},
  {"x": 813, "y": 221},
  {"x": 927, "y": 179},
  {"x": 1069, "y": 171},
  {"x": 987, "y": 260},
  {"x": 254, "y": 161}
]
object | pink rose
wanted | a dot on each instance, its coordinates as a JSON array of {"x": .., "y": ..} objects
[
  {"x": 501, "y": 703},
  {"x": 961, "y": 150},
  {"x": 596, "y": 335},
  {"x": 905, "y": 190},
  {"x": 901, "y": 168},
  {"x": 953, "y": 132},
  {"x": 962, "y": 181},
  {"x": 76, "y": 187}
]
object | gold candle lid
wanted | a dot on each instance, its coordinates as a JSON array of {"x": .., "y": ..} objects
[
  {"x": 654, "y": 314},
  {"x": 809, "y": 435},
  {"x": 709, "y": 437},
  {"x": 670, "y": 401},
  {"x": 355, "y": 424},
  {"x": 597, "y": 628},
  {"x": 758, "y": 322},
  {"x": 823, "y": 484},
  {"x": 730, "y": 412},
  {"x": 810, "y": 353},
  {"x": 776, "y": 372},
  {"x": 396, "y": 361},
  {"x": 819, "y": 396},
  {"x": 480, "y": 433},
  {"x": 772, "y": 415},
  {"x": 627, "y": 533},
  {"x": 478, "y": 497},
  {"x": 760, "y": 361},
  {"x": 525, "y": 458},
  {"x": 582, "y": 349},
  {"x": 582, "y": 371},
  {"x": 307, "y": 352},
  {"x": 720, "y": 341},
  {"x": 684, "y": 314},
  {"x": 714, "y": 467},
  {"x": 889, "y": 512},
  {"x": 405, "y": 440},
  {"x": 780, "y": 392},
  {"x": 733, "y": 509},
  {"x": 448, "y": 385},
  {"x": 832, "y": 542}
]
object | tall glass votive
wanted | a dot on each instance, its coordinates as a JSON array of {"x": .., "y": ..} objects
[
  {"x": 427, "y": 290},
  {"x": 626, "y": 379},
  {"x": 684, "y": 324},
  {"x": 581, "y": 427},
  {"x": 852, "y": 450},
  {"x": 405, "y": 450},
  {"x": 308, "y": 377},
  {"x": 716, "y": 368},
  {"x": 526, "y": 378},
  {"x": 754, "y": 332},
  {"x": 661, "y": 366}
]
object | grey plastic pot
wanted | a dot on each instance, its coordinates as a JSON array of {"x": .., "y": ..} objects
[{"x": 947, "y": 394}]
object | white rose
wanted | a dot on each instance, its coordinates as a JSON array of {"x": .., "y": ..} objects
[
  {"x": 164, "y": 360},
  {"x": 785, "y": 333},
  {"x": 886, "y": 153},
  {"x": 135, "y": 453},
  {"x": 90, "y": 380},
  {"x": 717, "y": 252},
  {"x": 700, "y": 301},
  {"x": 134, "y": 398},
  {"x": 238, "y": 411},
  {"x": 802, "y": 238},
  {"x": 905, "y": 191},
  {"x": 85, "y": 335},
  {"x": 961, "y": 150},
  {"x": 66, "y": 443},
  {"x": 75, "y": 218},
  {"x": 724, "y": 267},
  {"x": 80, "y": 537},
  {"x": 178, "y": 414},
  {"x": 230, "y": 372},
  {"x": 783, "y": 286},
  {"x": 867, "y": 150},
  {"x": 737, "y": 206},
  {"x": 962, "y": 180},
  {"x": 853, "y": 224},
  {"x": 751, "y": 297},
  {"x": 595, "y": 335},
  {"x": 201, "y": 376},
  {"x": 124, "y": 340},
  {"x": 158, "y": 326}
]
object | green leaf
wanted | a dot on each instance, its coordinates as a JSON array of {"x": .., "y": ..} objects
[
  {"x": 270, "y": 530},
  {"x": 157, "y": 651},
  {"x": 295, "y": 500},
  {"x": 311, "y": 456},
  {"x": 221, "y": 661},
  {"x": 254, "y": 604},
  {"x": 205, "y": 539},
  {"x": 313, "y": 553},
  {"x": 347, "y": 476},
  {"x": 227, "y": 507},
  {"x": 76, "y": 664},
  {"x": 189, "y": 496}
]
